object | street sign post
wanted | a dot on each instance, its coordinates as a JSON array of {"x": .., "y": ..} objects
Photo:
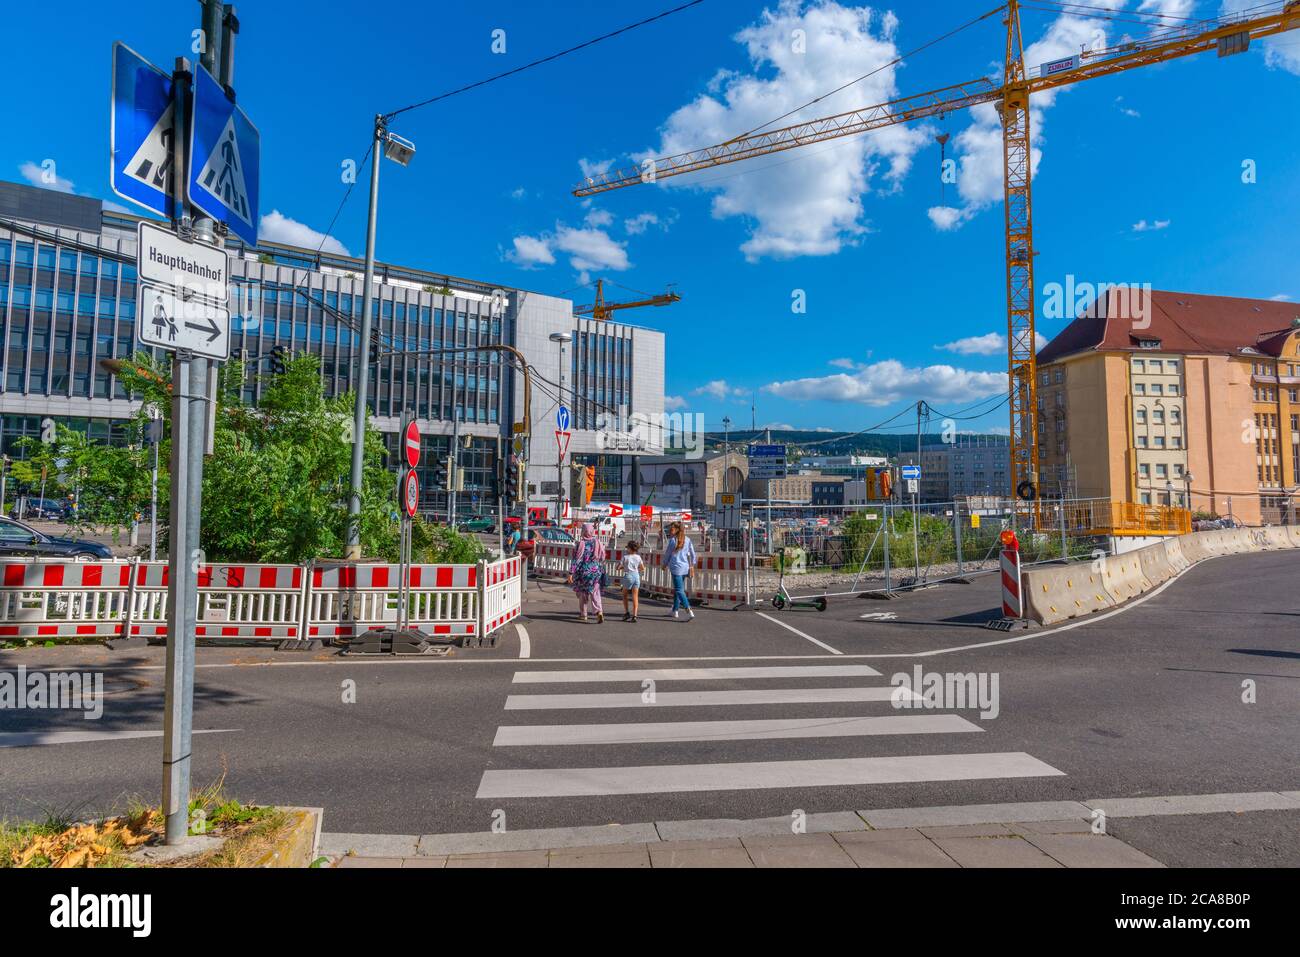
[
  {"x": 767, "y": 461},
  {"x": 411, "y": 493},
  {"x": 141, "y": 131},
  {"x": 911, "y": 472},
  {"x": 225, "y": 150}
]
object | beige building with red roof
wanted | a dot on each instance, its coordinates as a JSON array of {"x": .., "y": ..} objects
[{"x": 1158, "y": 397}]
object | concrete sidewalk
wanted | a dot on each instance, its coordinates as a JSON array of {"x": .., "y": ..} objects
[{"x": 1026, "y": 834}]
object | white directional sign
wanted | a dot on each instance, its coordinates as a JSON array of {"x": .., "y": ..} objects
[
  {"x": 164, "y": 259},
  {"x": 193, "y": 325}
]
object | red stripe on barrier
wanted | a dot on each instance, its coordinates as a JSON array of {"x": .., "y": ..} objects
[
  {"x": 379, "y": 577},
  {"x": 8, "y": 630},
  {"x": 415, "y": 576},
  {"x": 442, "y": 577},
  {"x": 442, "y": 629},
  {"x": 473, "y": 576},
  {"x": 262, "y": 632},
  {"x": 317, "y": 575},
  {"x": 15, "y": 576},
  {"x": 53, "y": 575},
  {"x": 297, "y": 578},
  {"x": 92, "y": 575},
  {"x": 87, "y": 629},
  {"x": 266, "y": 578},
  {"x": 47, "y": 630}
]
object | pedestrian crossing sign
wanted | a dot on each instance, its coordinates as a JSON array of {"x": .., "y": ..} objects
[
  {"x": 225, "y": 149},
  {"x": 140, "y": 132}
]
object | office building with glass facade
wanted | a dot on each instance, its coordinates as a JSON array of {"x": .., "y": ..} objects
[{"x": 68, "y": 290}]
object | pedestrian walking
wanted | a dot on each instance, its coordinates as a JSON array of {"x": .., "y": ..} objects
[
  {"x": 586, "y": 572},
  {"x": 632, "y": 565},
  {"x": 512, "y": 543},
  {"x": 679, "y": 559}
]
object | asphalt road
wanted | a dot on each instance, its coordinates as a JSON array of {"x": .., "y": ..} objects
[{"x": 1148, "y": 701}]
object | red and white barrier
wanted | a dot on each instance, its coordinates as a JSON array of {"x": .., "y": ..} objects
[
  {"x": 1012, "y": 600},
  {"x": 49, "y": 599}
]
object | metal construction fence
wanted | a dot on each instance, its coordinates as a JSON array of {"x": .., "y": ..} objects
[{"x": 49, "y": 599}]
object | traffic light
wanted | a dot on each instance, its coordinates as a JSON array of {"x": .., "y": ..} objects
[
  {"x": 278, "y": 354},
  {"x": 513, "y": 486},
  {"x": 442, "y": 474}
]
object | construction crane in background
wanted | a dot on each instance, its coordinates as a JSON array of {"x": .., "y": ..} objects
[
  {"x": 601, "y": 309},
  {"x": 1228, "y": 35}
]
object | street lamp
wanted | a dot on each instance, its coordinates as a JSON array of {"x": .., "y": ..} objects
[
  {"x": 1187, "y": 487},
  {"x": 561, "y": 338},
  {"x": 400, "y": 151},
  {"x": 1169, "y": 492}
]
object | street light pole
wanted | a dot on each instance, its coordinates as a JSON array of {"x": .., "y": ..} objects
[{"x": 561, "y": 338}]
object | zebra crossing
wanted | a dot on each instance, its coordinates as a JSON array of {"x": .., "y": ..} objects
[{"x": 874, "y": 761}]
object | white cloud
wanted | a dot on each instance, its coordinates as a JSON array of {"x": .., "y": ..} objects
[
  {"x": 1280, "y": 297},
  {"x": 889, "y": 381},
  {"x": 719, "y": 389},
  {"x": 587, "y": 248},
  {"x": 809, "y": 203},
  {"x": 1172, "y": 10},
  {"x": 639, "y": 223},
  {"x": 1142, "y": 226},
  {"x": 843, "y": 363},
  {"x": 1280, "y": 52},
  {"x": 518, "y": 193},
  {"x": 674, "y": 403},
  {"x": 596, "y": 168},
  {"x": 989, "y": 344},
  {"x": 530, "y": 252},
  {"x": 599, "y": 217},
  {"x": 38, "y": 175},
  {"x": 278, "y": 228},
  {"x": 1127, "y": 111},
  {"x": 780, "y": 427}
]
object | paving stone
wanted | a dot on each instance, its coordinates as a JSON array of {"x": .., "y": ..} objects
[
  {"x": 887, "y": 835},
  {"x": 539, "y": 839},
  {"x": 766, "y": 826},
  {"x": 966, "y": 830},
  {"x": 974, "y": 814},
  {"x": 369, "y": 845},
  {"x": 905, "y": 853},
  {"x": 602, "y": 857},
  {"x": 994, "y": 852},
  {"x": 370, "y": 862},
  {"x": 1071, "y": 826},
  {"x": 1196, "y": 804},
  {"x": 721, "y": 853},
  {"x": 806, "y": 850},
  {"x": 1091, "y": 850},
  {"x": 413, "y": 862},
  {"x": 506, "y": 859}
]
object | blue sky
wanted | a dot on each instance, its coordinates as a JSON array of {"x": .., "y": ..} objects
[{"x": 1140, "y": 177}]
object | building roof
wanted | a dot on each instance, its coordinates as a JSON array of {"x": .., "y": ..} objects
[{"x": 1182, "y": 322}]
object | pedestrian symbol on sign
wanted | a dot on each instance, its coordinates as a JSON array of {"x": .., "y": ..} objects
[
  {"x": 222, "y": 175},
  {"x": 162, "y": 321}
]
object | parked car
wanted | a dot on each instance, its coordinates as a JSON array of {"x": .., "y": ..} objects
[
  {"x": 19, "y": 539},
  {"x": 50, "y": 509},
  {"x": 545, "y": 535}
]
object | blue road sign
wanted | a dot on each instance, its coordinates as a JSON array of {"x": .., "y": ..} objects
[
  {"x": 911, "y": 472},
  {"x": 140, "y": 132},
  {"x": 562, "y": 419},
  {"x": 765, "y": 451},
  {"x": 224, "y": 159}
]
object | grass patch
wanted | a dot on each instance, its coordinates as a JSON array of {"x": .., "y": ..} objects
[{"x": 65, "y": 838}]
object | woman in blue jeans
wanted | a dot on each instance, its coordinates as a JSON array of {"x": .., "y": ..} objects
[{"x": 679, "y": 559}]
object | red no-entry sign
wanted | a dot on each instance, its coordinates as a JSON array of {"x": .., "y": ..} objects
[{"x": 412, "y": 442}]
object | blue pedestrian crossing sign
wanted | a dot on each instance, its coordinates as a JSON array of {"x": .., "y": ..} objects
[
  {"x": 140, "y": 137},
  {"x": 224, "y": 159}
]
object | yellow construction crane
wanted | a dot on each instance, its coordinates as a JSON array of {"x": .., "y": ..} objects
[
  {"x": 601, "y": 309},
  {"x": 1227, "y": 35}
]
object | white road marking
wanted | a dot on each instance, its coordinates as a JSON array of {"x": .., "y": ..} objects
[
  {"x": 525, "y": 646},
  {"x": 878, "y": 616},
  {"x": 638, "y": 732},
  {"x": 590, "y": 782},
  {"x": 819, "y": 644},
  {"x": 695, "y": 674},
  {"x": 37, "y": 739},
  {"x": 690, "y": 699}
]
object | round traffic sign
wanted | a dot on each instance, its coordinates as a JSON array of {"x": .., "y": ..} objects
[
  {"x": 411, "y": 493},
  {"x": 412, "y": 442}
]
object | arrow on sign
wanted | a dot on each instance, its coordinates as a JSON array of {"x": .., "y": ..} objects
[{"x": 211, "y": 328}]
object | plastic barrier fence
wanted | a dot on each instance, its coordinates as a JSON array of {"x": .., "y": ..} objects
[{"x": 49, "y": 599}]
